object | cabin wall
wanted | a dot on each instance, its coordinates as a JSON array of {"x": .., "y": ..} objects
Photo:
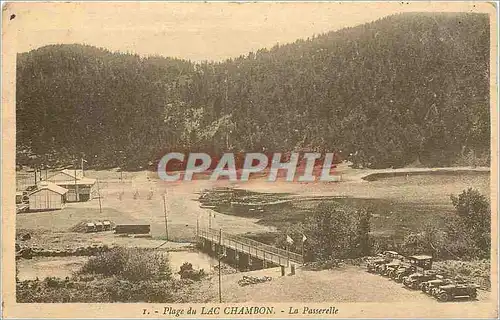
[
  {"x": 85, "y": 192},
  {"x": 45, "y": 200}
]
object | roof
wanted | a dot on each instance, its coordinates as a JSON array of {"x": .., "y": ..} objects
[
  {"x": 69, "y": 172},
  {"x": 44, "y": 185},
  {"x": 82, "y": 181},
  {"x": 421, "y": 257}
]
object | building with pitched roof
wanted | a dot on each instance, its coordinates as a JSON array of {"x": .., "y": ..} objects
[
  {"x": 79, "y": 187},
  {"x": 47, "y": 196}
]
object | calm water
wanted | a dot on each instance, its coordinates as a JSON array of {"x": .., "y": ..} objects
[
  {"x": 61, "y": 267},
  {"x": 397, "y": 203},
  {"x": 199, "y": 260},
  {"x": 42, "y": 267}
]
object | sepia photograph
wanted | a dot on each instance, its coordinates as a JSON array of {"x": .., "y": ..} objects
[{"x": 266, "y": 160}]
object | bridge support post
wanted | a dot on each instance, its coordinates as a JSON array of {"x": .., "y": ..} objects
[
  {"x": 282, "y": 271},
  {"x": 206, "y": 245},
  {"x": 243, "y": 261},
  {"x": 256, "y": 263},
  {"x": 231, "y": 256}
]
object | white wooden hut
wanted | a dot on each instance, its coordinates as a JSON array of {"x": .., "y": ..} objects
[
  {"x": 79, "y": 187},
  {"x": 47, "y": 196}
]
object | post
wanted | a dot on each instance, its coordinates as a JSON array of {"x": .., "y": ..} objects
[
  {"x": 99, "y": 192},
  {"x": 76, "y": 189},
  {"x": 287, "y": 254},
  {"x": 165, "y": 212},
  {"x": 302, "y": 251},
  {"x": 82, "y": 168},
  {"x": 209, "y": 220},
  {"x": 197, "y": 226},
  {"x": 220, "y": 256},
  {"x": 225, "y": 109},
  {"x": 35, "y": 177}
]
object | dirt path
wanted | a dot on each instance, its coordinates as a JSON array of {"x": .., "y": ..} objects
[{"x": 346, "y": 284}]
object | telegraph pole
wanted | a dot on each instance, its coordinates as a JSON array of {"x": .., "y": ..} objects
[
  {"x": 76, "y": 187},
  {"x": 99, "y": 192},
  {"x": 303, "y": 251},
  {"x": 197, "y": 227},
  {"x": 220, "y": 257},
  {"x": 225, "y": 109},
  {"x": 82, "y": 167},
  {"x": 287, "y": 254},
  {"x": 165, "y": 212}
]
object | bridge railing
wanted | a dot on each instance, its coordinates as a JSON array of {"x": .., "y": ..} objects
[{"x": 251, "y": 244}]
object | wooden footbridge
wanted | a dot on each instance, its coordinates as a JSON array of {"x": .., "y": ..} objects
[{"x": 246, "y": 252}]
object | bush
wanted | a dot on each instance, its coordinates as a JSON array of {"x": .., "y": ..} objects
[
  {"x": 187, "y": 272},
  {"x": 336, "y": 232},
  {"x": 106, "y": 263},
  {"x": 110, "y": 289},
  {"x": 133, "y": 264},
  {"x": 476, "y": 271},
  {"x": 323, "y": 265},
  {"x": 146, "y": 265}
]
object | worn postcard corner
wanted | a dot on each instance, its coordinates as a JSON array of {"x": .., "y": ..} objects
[{"x": 265, "y": 160}]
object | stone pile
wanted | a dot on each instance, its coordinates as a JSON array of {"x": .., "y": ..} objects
[{"x": 248, "y": 280}]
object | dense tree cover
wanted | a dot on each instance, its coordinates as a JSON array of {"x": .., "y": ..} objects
[
  {"x": 404, "y": 89},
  {"x": 332, "y": 231},
  {"x": 335, "y": 231},
  {"x": 466, "y": 236}
]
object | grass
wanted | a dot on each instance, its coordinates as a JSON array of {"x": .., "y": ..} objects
[
  {"x": 132, "y": 264},
  {"x": 100, "y": 290}
]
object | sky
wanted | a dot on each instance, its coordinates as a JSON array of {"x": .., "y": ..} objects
[{"x": 195, "y": 31}]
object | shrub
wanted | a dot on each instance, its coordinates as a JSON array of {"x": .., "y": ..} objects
[
  {"x": 334, "y": 231},
  {"x": 187, "y": 272},
  {"x": 133, "y": 264},
  {"x": 145, "y": 265},
  {"x": 110, "y": 289}
]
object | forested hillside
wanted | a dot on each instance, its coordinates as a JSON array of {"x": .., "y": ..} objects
[{"x": 406, "y": 89}]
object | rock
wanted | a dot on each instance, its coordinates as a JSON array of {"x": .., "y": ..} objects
[
  {"x": 26, "y": 237},
  {"x": 26, "y": 253}
]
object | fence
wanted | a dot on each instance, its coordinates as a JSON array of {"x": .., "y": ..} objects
[{"x": 254, "y": 248}]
